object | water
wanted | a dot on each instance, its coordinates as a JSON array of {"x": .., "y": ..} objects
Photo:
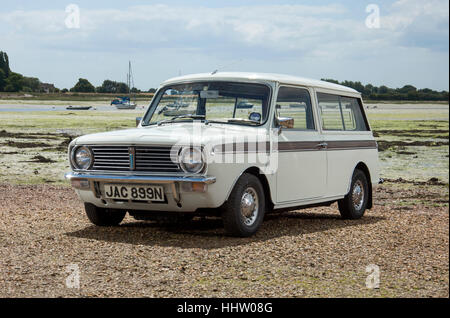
[{"x": 59, "y": 108}]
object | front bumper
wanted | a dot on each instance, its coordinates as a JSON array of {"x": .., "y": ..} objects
[{"x": 91, "y": 182}]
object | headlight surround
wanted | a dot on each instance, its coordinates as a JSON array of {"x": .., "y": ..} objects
[
  {"x": 82, "y": 157},
  {"x": 191, "y": 159}
]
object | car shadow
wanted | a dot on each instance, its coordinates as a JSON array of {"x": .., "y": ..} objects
[{"x": 208, "y": 233}]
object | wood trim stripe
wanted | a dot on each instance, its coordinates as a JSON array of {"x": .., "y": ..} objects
[
  {"x": 293, "y": 146},
  {"x": 351, "y": 144},
  {"x": 245, "y": 147},
  {"x": 285, "y": 146}
]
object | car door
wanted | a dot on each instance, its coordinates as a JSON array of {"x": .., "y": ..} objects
[
  {"x": 347, "y": 137},
  {"x": 302, "y": 165}
]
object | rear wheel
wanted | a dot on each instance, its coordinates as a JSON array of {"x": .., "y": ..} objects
[
  {"x": 244, "y": 210},
  {"x": 103, "y": 216},
  {"x": 354, "y": 204}
]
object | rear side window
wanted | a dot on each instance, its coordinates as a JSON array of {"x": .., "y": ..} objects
[
  {"x": 341, "y": 113},
  {"x": 353, "y": 116},
  {"x": 295, "y": 103},
  {"x": 330, "y": 112}
]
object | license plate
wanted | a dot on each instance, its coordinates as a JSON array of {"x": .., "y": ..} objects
[{"x": 134, "y": 192}]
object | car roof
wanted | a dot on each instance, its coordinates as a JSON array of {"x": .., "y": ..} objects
[{"x": 280, "y": 78}]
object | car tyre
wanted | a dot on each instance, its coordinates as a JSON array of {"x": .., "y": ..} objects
[
  {"x": 244, "y": 210},
  {"x": 354, "y": 204},
  {"x": 104, "y": 216}
]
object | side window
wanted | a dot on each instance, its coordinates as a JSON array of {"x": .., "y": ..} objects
[
  {"x": 341, "y": 113},
  {"x": 353, "y": 116},
  {"x": 330, "y": 112},
  {"x": 295, "y": 103}
]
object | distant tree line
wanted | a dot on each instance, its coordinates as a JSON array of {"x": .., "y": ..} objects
[
  {"x": 108, "y": 86},
  {"x": 15, "y": 82},
  {"x": 407, "y": 92}
]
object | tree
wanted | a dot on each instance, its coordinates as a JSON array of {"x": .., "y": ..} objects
[
  {"x": 122, "y": 88},
  {"x": 407, "y": 92},
  {"x": 369, "y": 89},
  {"x": 109, "y": 86},
  {"x": 64, "y": 90},
  {"x": 383, "y": 89},
  {"x": 4, "y": 63},
  {"x": 32, "y": 83},
  {"x": 407, "y": 89},
  {"x": 152, "y": 90},
  {"x": 2, "y": 80},
  {"x": 14, "y": 82},
  {"x": 83, "y": 86}
]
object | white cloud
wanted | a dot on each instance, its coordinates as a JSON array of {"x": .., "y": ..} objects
[{"x": 261, "y": 34}]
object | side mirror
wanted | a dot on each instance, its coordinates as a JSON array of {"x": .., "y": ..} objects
[
  {"x": 255, "y": 116},
  {"x": 138, "y": 120},
  {"x": 285, "y": 122}
]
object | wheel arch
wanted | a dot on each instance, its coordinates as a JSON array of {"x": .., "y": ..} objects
[
  {"x": 264, "y": 181},
  {"x": 363, "y": 167}
]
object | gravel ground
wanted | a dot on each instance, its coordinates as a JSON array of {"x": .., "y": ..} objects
[{"x": 307, "y": 253}]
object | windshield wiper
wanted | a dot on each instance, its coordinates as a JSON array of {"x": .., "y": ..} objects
[{"x": 190, "y": 116}]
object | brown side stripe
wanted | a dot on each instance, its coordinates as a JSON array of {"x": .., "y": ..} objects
[
  {"x": 298, "y": 146},
  {"x": 243, "y": 147},
  {"x": 351, "y": 144},
  {"x": 286, "y": 146}
]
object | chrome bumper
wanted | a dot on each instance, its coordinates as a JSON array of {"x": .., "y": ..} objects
[
  {"x": 137, "y": 179},
  {"x": 89, "y": 181}
]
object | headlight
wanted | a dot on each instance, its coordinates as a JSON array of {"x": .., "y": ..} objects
[
  {"x": 191, "y": 160},
  {"x": 82, "y": 157}
]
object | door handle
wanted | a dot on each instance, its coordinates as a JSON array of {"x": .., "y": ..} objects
[{"x": 322, "y": 145}]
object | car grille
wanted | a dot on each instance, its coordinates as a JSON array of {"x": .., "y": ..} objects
[{"x": 137, "y": 158}]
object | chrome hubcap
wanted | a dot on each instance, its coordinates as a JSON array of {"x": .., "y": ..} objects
[
  {"x": 249, "y": 206},
  {"x": 358, "y": 195}
]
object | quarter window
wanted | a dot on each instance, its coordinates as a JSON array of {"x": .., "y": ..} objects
[
  {"x": 341, "y": 113},
  {"x": 295, "y": 103}
]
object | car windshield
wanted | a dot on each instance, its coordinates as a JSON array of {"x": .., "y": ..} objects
[{"x": 217, "y": 101}]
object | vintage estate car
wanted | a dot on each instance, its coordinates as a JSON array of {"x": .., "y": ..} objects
[{"x": 235, "y": 145}]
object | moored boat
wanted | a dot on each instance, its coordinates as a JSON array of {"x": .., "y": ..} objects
[{"x": 70, "y": 107}]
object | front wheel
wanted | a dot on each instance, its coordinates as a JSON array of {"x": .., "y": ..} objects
[
  {"x": 244, "y": 211},
  {"x": 103, "y": 216},
  {"x": 354, "y": 204}
]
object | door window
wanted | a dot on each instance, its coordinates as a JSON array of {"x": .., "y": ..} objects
[{"x": 295, "y": 103}]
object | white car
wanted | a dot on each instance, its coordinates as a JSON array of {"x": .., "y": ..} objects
[{"x": 237, "y": 145}]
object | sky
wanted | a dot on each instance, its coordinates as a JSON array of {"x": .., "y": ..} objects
[{"x": 316, "y": 39}]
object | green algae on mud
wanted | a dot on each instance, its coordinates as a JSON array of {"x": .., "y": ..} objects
[
  {"x": 411, "y": 147},
  {"x": 83, "y": 122}
]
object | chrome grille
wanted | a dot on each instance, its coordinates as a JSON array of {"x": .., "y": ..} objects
[
  {"x": 156, "y": 159},
  {"x": 138, "y": 158},
  {"x": 114, "y": 158}
]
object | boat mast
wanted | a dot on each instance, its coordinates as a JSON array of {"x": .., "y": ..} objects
[{"x": 129, "y": 80}]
